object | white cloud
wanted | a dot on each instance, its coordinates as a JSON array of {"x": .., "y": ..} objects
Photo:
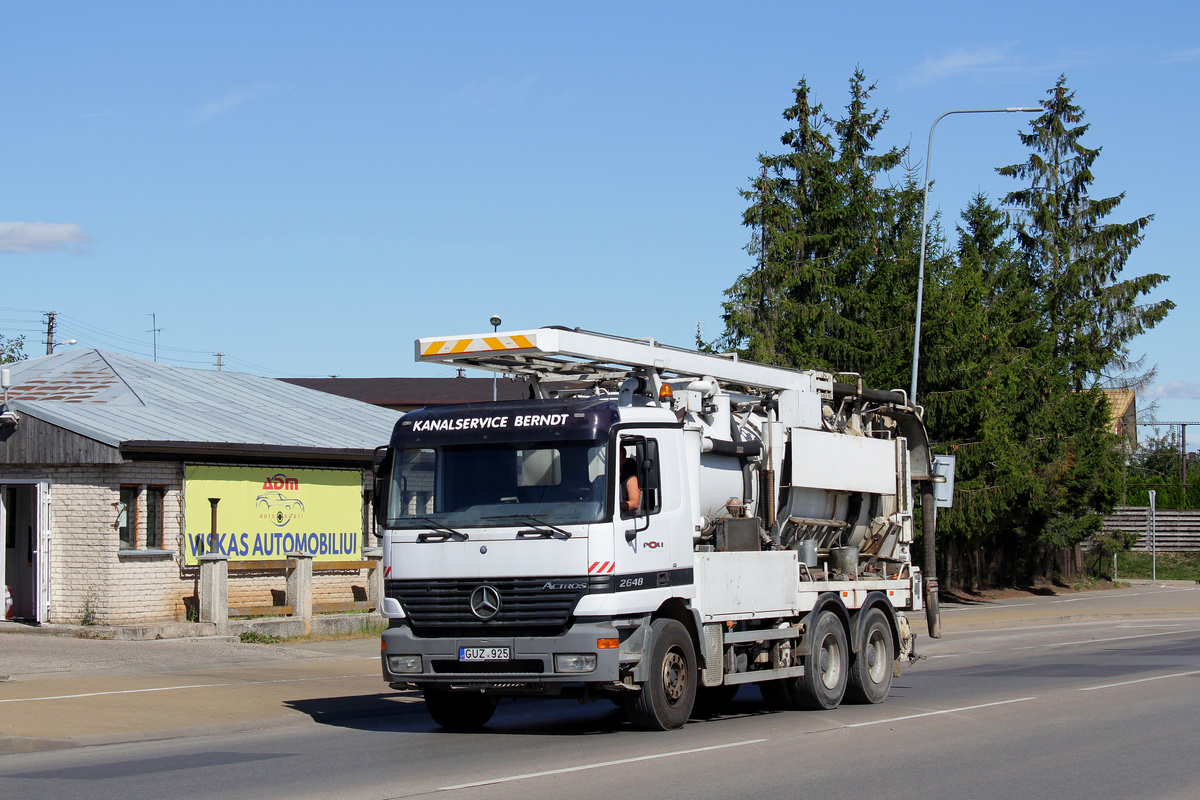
[
  {"x": 1175, "y": 390},
  {"x": 229, "y": 102},
  {"x": 42, "y": 237},
  {"x": 493, "y": 94},
  {"x": 958, "y": 62},
  {"x": 1182, "y": 56}
]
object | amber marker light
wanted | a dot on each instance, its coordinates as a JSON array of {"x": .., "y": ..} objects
[
  {"x": 666, "y": 392},
  {"x": 608, "y": 644}
]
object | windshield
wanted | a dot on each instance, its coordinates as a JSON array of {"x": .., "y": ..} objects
[{"x": 477, "y": 485}]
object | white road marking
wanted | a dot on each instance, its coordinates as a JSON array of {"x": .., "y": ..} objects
[
  {"x": 598, "y": 765},
  {"x": 938, "y": 713},
  {"x": 1141, "y": 680},
  {"x": 190, "y": 686},
  {"x": 1122, "y": 638}
]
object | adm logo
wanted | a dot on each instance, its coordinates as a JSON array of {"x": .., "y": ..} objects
[{"x": 276, "y": 506}]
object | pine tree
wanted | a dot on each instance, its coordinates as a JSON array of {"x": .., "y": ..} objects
[
  {"x": 979, "y": 365},
  {"x": 1074, "y": 255},
  {"x": 1085, "y": 319},
  {"x": 821, "y": 240}
]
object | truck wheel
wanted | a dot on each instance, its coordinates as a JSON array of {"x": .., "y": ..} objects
[
  {"x": 826, "y": 665},
  {"x": 459, "y": 711},
  {"x": 666, "y": 699},
  {"x": 871, "y": 671}
]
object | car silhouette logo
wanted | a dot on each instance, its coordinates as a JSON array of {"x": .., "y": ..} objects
[
  {"x": 280, "y": 509},
  {"x": 485, "y": 602}
]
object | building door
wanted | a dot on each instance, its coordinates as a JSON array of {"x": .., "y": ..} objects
[{"x": 23, "y": 507}]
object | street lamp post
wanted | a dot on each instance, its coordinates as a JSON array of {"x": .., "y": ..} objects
[
  {"x": 495, "y": 320},
  {"x": 928, "y": 509},
  {"x": 912, "y": 389}
]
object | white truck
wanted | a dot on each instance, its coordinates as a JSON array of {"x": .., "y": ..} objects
[{"x": 654, "y": 526}]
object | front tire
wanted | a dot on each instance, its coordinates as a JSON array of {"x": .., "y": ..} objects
[
  {"x": 459, "y": 711},
  {"x": 667, "y": 696},
  {"x": 871, "y": 671}
]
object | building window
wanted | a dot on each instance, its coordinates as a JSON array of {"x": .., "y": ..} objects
[
  {"x": 154, "y": 517},
  {"x": 127, "y": 517},
  {"x": 10, "y": 521}
]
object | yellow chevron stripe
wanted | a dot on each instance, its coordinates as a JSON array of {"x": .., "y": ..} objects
[{"x": 445, "y": 347}]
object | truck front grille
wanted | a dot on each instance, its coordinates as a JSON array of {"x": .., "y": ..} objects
[{"x": 528, "y": 606}]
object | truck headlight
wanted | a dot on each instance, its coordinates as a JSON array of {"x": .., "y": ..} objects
[
  {"x": 574, "y": 662},
  {"x": 404, "y": 664}
]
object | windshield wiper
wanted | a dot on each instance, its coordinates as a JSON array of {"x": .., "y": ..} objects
[
  {"x": 439, "y": 529},
  {"x": 546, "y": 530}
]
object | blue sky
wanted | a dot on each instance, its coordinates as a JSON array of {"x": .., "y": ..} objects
[{"x": 309, "y": 187}]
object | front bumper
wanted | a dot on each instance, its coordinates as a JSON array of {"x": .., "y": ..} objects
[{"x": 532, "y": 660}]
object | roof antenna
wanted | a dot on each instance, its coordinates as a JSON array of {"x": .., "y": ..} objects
[{"x": 154, "y": 329}]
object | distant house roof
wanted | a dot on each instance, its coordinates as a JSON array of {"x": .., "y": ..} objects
[
  {"x": 406, "y": 394},
  {"x": 141, "y": 405},
  {"x": 1122, "y": 413}
]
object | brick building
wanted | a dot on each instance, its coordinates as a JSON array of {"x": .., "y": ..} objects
[{"x": 116, "y": 473}]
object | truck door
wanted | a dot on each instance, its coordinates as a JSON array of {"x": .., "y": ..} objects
[{"x": 653, "y": 541}]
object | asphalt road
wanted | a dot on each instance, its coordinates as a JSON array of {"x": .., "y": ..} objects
[{"x": 1091, "y": 709}]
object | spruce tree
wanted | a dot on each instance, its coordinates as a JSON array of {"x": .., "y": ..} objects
[
  {"x": 1086, "y": 316},
  {"x": 821, "y": 227},
  {"x": 1074, "y": 255}
]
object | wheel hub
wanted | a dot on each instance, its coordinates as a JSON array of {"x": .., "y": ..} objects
[
  {"x": 831, "y": 663},
  {"x": 674, "y": 677}
]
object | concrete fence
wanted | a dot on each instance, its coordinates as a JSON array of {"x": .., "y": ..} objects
[
  {"x": 296, "y": 570},
  {"x": 1176, "y": 531}
]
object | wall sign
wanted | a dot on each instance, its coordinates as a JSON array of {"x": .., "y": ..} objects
[{"x": 265, "y": 513}]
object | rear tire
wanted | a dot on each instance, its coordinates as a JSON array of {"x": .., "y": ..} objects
[
  {"x": 871, "y": 671},
  {"x": 669, "y": 692},
  {"x": 459, "y": 711},
  {"x": 826, "y": 666}
]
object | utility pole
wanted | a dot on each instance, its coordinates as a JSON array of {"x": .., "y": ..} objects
[
  {"x": 1183, "y": 451},
  {"x": 51, "y": 316},
  {"x": 154, "y": 331},
  {"x": 219, "y": 363}
]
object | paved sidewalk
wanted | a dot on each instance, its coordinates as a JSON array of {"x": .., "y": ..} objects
[{"x": 1142, "y": 600}]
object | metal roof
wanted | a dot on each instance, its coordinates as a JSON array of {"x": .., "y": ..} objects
[{"x": 115, "y": 399}]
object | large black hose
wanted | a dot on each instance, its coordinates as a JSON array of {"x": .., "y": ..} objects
[{"x": 933, "y": 611}]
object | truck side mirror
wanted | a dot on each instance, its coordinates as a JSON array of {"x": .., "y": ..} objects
[
  {"x": 649, "y": 465},
  {"x": 381, "y": 473}
]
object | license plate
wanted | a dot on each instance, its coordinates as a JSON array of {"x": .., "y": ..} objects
[{"x": 484, "y": 654}]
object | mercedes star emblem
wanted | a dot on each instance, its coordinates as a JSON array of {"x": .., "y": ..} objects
[{"x": 485, "y": 602}]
